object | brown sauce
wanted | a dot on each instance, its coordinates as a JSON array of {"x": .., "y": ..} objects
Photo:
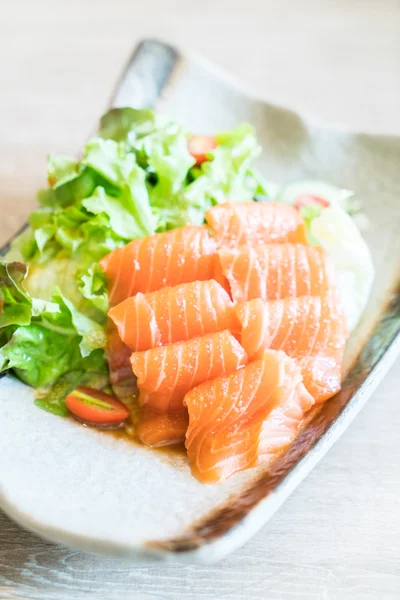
[{"x": 127, "y": 433}]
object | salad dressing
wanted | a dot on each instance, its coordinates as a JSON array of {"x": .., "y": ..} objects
[{"x": 126, "y": 433}]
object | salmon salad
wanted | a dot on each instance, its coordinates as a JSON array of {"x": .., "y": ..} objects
[{"x": 166, "y": 288}]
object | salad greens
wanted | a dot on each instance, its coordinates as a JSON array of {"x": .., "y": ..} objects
[
  {"x": 135, "y": 178},
  {"x": 42, "y": 341}
]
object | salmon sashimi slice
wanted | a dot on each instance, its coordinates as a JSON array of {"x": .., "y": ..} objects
[
  {"x": 220, "y": 277},
  {"x": 118, "y": 354},
  {"x": 157, "y": 429},
  {"x": 291, "y": 325},
  {"x": 276, "y": 271},
  {"x": 166, "y": 374},
  {"x": 174, "y": 314},
  {"x": 163, "y": 259},
  {"x": 236, "y": 223},
  {"x": 228, "y": 415},
  {"x": 299, "y": 326},
  {"x": 283, "y": 424},
  {"x": 322, "y": 374},
  {"x": 311, "y": 329}
]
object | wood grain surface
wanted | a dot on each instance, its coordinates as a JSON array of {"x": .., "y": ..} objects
[{"x": 338, "y": 537}]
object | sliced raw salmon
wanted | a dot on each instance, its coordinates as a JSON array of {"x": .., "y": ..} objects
[
  {"x": 166, "y": 374},
  {"x": 322, "y": 374},
  {"x": 163, "y": 259},
  {"x": 283, "y": 424},
  {"x": 311, "y": 329},
  {"x": 299, "y": 326},
  {"x": 161, "y": 429},
  {"x": 174, "y": 314},
  {"x": 122, "y": 379},
  {"x": 291, "y": 324},
  {"x": 236, "y": 223},
  {"x": 228, "y": 415},
  {"x": 276, "y": 271}
]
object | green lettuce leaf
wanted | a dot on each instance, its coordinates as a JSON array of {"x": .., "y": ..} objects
[
  {"x": 91, "y": 371},
  {"x": 16, "y": 306},
  {"x": 65, "y": 274},
  {"x": 126, "y": 217},
  {"x": 70, "y": 191},
  {"x": 168, "y": 157},
  {"x": 93, "y": 287},
  {"x": 44, "y": 341},
  {"x": 52, "y": 362},
  {"x": 227, "y": 175},
  {"x": 109, "y": 159},
  {"x": 121, "y": 124},
  {"x": 92, "y": 333},
  {"x": 136, "y": 177},
  {"x": 39, "y": 356},
  {"x": 61, "y": 169}
]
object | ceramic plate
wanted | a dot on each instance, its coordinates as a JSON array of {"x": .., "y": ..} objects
[{"x": 80, "y": 487}]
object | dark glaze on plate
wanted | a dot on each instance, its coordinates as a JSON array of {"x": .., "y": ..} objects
[{"x": 126, "y": 432}]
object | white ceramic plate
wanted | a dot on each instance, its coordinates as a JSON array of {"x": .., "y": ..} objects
[{"x": 80, "y": 487}]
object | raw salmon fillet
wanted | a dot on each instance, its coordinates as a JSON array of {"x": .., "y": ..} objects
[
  {"x": 276, "y": 271},
  {"x": 157, "y": 429},
  {"x": 228, "y": 416},
  {"x": 166, "y": 374},
  {"x": 282, "y": 425},
  {"x": 174, "y": 314},
  {"x": 117, "y": 353},
  {"x": 163, "y": 259},
  {"x": 311, "y": 329},
  {"x": 236, "y": 223}
]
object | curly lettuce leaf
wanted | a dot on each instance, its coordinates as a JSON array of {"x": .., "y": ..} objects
[
  {"x": 227, "y": 175},
  {"x": 16, "y": 306},
  {"x": 43, "y": 341},
  {"x": 108, "y": 159},
  {"x": 39, "y": 356},
  {"x": 61, "y": 169},
  {"x": 168, "y": 157},
  {"x": 63, "y": 273},
  {"x": 126, "y": 217},
  {"x": 93, "y": 287},
  {"x": 52, "y": 363},
  {"x": 69, "y": 191},
  {"x": 136, "y": 177},
  {"x": 91, "y": 371},
  {"x": 121, "y": 124},
  {"x": 92, "y": 333},
  {"x": 179, "y": 192}
]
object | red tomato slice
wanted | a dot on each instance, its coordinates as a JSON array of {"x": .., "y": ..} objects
[
  {"x": 200, "y": 145},
  {"x": 95, "y": 407},
  {"x": 309, "y": 199}
]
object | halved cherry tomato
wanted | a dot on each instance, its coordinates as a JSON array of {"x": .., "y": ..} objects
[
  {"x": 95, "y": 407},
  {"x": 309, "y": 199},
  {"x": 200, "y": 145}
]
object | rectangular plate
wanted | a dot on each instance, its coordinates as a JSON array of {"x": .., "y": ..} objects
[{"x": 151, "y": 506}]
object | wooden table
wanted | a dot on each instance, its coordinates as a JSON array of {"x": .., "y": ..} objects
[{"x": 338, "y": 537}]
